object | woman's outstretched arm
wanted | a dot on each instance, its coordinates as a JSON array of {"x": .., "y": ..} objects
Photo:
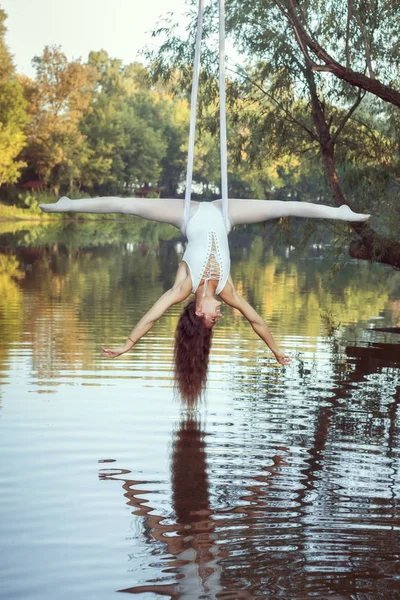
[
  {"x": 257, "y": 211},
  {"x": 231, "y": 297},
  {"x": 164, "y": 210},
  {"x": 179, "y": 292}
]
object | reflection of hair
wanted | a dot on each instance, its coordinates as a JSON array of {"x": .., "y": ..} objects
[
  {"x": 192, "y": 347},
  {"x": 189, "y": 473}
]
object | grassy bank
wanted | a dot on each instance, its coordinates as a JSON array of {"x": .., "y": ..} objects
[
  {"x": 24, "y": 206},
  {"x": 33, "y": 213},
  {"x": 13, "y": 213}
]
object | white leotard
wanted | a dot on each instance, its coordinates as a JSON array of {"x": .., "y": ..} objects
[{"x": 207, "y": 236}]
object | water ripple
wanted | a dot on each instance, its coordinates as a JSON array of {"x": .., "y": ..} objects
[{"x": 284, "y": 483}]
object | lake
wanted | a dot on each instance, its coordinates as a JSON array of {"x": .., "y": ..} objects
[{"x": 284, "y": 482}]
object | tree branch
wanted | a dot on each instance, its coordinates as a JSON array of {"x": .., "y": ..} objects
[
  {"x": 339, "y": 130},
  {"x": 367, "y": 46},
  {"x": 289, "y": 116},
  {"x": 349, "y": 17},
  {"x": 305, "y": 41}
]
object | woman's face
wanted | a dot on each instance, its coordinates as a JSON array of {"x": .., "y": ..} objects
[{"x": 210, "y": 310}]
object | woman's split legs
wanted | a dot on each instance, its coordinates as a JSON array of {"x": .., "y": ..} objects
[
  {"x": 163, "y": 210},
  {"x": 170, "y": 210},
  {"x": 256, "y": 211}
]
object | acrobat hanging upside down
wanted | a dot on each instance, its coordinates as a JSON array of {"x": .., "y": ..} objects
[{"x": 204, "y": 270}]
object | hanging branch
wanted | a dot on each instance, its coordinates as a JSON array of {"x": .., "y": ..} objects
[
  {"x": 288, "y": 116},
  {"x": 349, "y": 114},
  {"x": 349, "y": 17},
  {"x": 328, "y": 63},
  {"x": 367, "y": 46}
]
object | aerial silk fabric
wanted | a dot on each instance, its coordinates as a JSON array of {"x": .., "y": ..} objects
[{"x": 193, "y": 112}]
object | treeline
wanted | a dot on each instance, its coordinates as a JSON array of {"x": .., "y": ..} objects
[
  {"x": 306, "y": 121},
  {"x": 97, "y": 126},
  {"x": 104, "y": 128},
  {"x": 101, "y": 128}
]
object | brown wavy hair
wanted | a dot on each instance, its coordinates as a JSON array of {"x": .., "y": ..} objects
[{"x": 192, "y": 348}]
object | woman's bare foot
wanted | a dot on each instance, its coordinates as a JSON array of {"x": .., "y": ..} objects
[
  {"x": 63, "y": 205},
  {"x": 348, "y": 215}
]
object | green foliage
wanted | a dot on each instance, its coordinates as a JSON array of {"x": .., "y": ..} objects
[
  {"x": 136, "y": 132},
  {"x": 274, "y": 143},
  {"x": 31, "y": 201},
  {"x": 87, "y": 233},
  {"x": 104, "y": 128},
  {"x": 6, "y": 64},
  {"x": 12, "y": 114},
  {"x": 14, "y": 213},
  {"x": 174, "y": 112},
  {"x": 57, "y": 151}
]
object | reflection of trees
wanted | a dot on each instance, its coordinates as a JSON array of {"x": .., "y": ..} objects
[
  {"x": 81, "y": 292},
  {"x": 91, "y": 232},
  {"x": 340, "y": 412},
  {"x": 289, "y": 293},
  {"x": 71, "y": 300},
  {"x": 72, "y": 295},
  {"x": 380, "y": 361},
  {"x": 11, "y": 306},
  {"x": 73, "y": 279}
]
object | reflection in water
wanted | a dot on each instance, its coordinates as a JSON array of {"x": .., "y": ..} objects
[
  {"x": 321, "y": 519},
  {"x": 192, "y": 536},
  {"x": 287, "y": 487}
]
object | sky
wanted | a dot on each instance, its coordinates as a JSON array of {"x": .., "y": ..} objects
[{"x": 121, "y": 27}]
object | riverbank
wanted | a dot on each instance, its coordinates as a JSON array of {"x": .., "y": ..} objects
[
  {"x": 14, "y": 213},
  {"x": 33, "y": 213}
]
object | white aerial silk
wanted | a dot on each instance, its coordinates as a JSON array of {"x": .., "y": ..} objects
[{"x": 193, "y": 109}]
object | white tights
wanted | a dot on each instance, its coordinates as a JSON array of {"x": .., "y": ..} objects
[{"x": 171, "y": 210}]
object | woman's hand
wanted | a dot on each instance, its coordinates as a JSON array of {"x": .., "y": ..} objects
[
  {"x": 114, "y": 352},
  {"x": 283, "y": 359}
]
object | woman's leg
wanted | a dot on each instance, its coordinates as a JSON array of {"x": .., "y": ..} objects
[
  {"x": 163, "y": 210},
  {"x": 256, "y": 211}
]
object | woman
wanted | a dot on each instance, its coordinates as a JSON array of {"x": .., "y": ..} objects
[{"x": 204, "y": 271}]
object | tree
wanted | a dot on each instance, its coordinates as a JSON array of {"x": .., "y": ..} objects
[
  {"x": 12, "y": 114},
  {"x": 124, "y": 126},
  {"x": 297, "y": 109},
  {"x": 59, "y": 96},
  {"x": 370, "y": 32},
  {"x": 175, "y": 117}
]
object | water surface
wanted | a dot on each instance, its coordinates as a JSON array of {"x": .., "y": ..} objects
[{"x": 284, "y": 483}]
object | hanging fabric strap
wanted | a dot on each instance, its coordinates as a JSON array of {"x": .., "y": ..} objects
[
  {"x": 193, "y": 110},
  {"x": 193, "y": 107},
  {"x": 222, "y": 113}
]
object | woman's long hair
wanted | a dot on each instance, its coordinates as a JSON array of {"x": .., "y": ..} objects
[{"x": 192, "y": 347}]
